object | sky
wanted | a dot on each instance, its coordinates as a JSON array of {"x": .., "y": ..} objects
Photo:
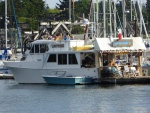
[{"x": 52, "y": 3}]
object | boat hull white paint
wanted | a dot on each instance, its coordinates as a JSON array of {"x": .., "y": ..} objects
[{"x": 30, "y": 75}]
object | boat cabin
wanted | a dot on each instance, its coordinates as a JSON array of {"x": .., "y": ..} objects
[
  {"x": 120, "y": 58},
  {"x": 72, "y": 53}
]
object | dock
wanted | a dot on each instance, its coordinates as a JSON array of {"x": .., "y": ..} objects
[
  {"x": 125, "y": 80},
  {"x": 6, "y": 76},
  {"x": 107, "y": 80}
]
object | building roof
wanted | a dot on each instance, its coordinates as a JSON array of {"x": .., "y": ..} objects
[{"x": 129, "y": 44}]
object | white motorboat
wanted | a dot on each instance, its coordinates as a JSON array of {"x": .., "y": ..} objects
[{"x": 46, "y": 56}]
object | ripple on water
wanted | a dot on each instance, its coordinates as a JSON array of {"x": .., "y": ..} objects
[{"x": 42, "y": 98}]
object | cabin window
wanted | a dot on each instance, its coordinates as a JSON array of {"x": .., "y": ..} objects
[
  {"x": 121, "y": 59},
  {"x": 62, "y": 58},
  {"x": 72, "y": 59},
  {"x": 52, "y": 58},
  {"x": 43, "y": 48},
  {"x": 36, "y": 48},
  {"x": 32, "y": 49},
  {"x": 105, "y": 59}
]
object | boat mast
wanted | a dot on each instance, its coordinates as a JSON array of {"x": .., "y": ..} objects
[
  {"x": 70, "y": 10},
  {"x": 104, "y": 18},
  {"x": 6, "y": 22},
  {"x": 131, "y": 9},
  {"x": 110, "y": 18},
  {"x": 86, "y": 28},
  {"x": 141, "y": 19},
  {"x": 97, "y": 17},
  {"x": 115, "y": 18},
  {"x": 94, "y": 24},
  {"x": 124, "y": 18}
]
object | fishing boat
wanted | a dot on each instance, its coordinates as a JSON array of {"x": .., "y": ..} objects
[{"x": 66, "y": 80}]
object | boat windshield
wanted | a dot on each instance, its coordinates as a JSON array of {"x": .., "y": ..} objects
[{"x": 39, "y": 48}]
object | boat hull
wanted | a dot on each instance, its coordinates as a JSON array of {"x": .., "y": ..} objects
[
  {"x": 32, "y": 75},
  {"x": 67, "y": 80}
]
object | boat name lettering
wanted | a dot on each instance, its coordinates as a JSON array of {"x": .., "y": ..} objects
[
  {"x": 58, "y": 46},
  {"x": 123, "y": 43}
]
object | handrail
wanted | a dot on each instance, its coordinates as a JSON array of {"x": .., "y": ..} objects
[{"x": 56, "y": 72}]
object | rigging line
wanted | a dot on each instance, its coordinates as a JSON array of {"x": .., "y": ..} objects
[
  {"x": 143, "y": 23},
  {"x": 89, "y": 13},
  {"x": 16, "y": 24},
  {"x": 135, "y": 12},
  {"x": 113, "y": 6},
  {"x": 119, "y": 19}
]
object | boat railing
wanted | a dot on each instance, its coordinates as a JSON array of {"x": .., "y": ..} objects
[
  {"x": 70, "y": 45},
  {"x": 58, "y": 73}
]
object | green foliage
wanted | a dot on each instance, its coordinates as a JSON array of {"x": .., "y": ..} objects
[
  {"x": 77, "y": 29},
  {"x": 30, "y": 11},
  {"x": 2, "y": 7},
  {"x": 64, "y": 9},
  {"x": 119, "y": 13},
  {"x": 82, "y": 7},
  {"x": 144, "y": 12},
  {"x": 148, "y": 13},
  {"x": 33, "y": 24},
  {"x": 53, "y": 11}
]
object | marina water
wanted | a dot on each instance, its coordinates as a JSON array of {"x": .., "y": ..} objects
[{"x": 42, "y": 98}]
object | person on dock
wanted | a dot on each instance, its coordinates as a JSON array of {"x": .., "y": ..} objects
[
  {"x": 58, "y": 36},
  {"x": 67, "y": 37},
  {"x": 71, "y": 37},
  {"x": 115, "y": 69},
  {"x": 110, "y": 63},
  {"x": 120, "y": 36}
]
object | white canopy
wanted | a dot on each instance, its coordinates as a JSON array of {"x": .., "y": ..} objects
[{"x": 107, "y": 44}]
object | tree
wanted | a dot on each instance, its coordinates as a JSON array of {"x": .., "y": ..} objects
[
  {"x": 82, "y": 7},
  {"x": 64, "y": 9},
  {"x": 27, "y": 11},
  {"x": 34, "y": 10},
  {"x": 148, "y": 14},
  {"x": 2, "y": 13}
]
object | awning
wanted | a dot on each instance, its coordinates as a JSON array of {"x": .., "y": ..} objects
[{"x": 113, "y": 45}]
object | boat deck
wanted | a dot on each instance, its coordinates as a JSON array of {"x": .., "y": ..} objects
[{"x": 125, "y": 80}]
